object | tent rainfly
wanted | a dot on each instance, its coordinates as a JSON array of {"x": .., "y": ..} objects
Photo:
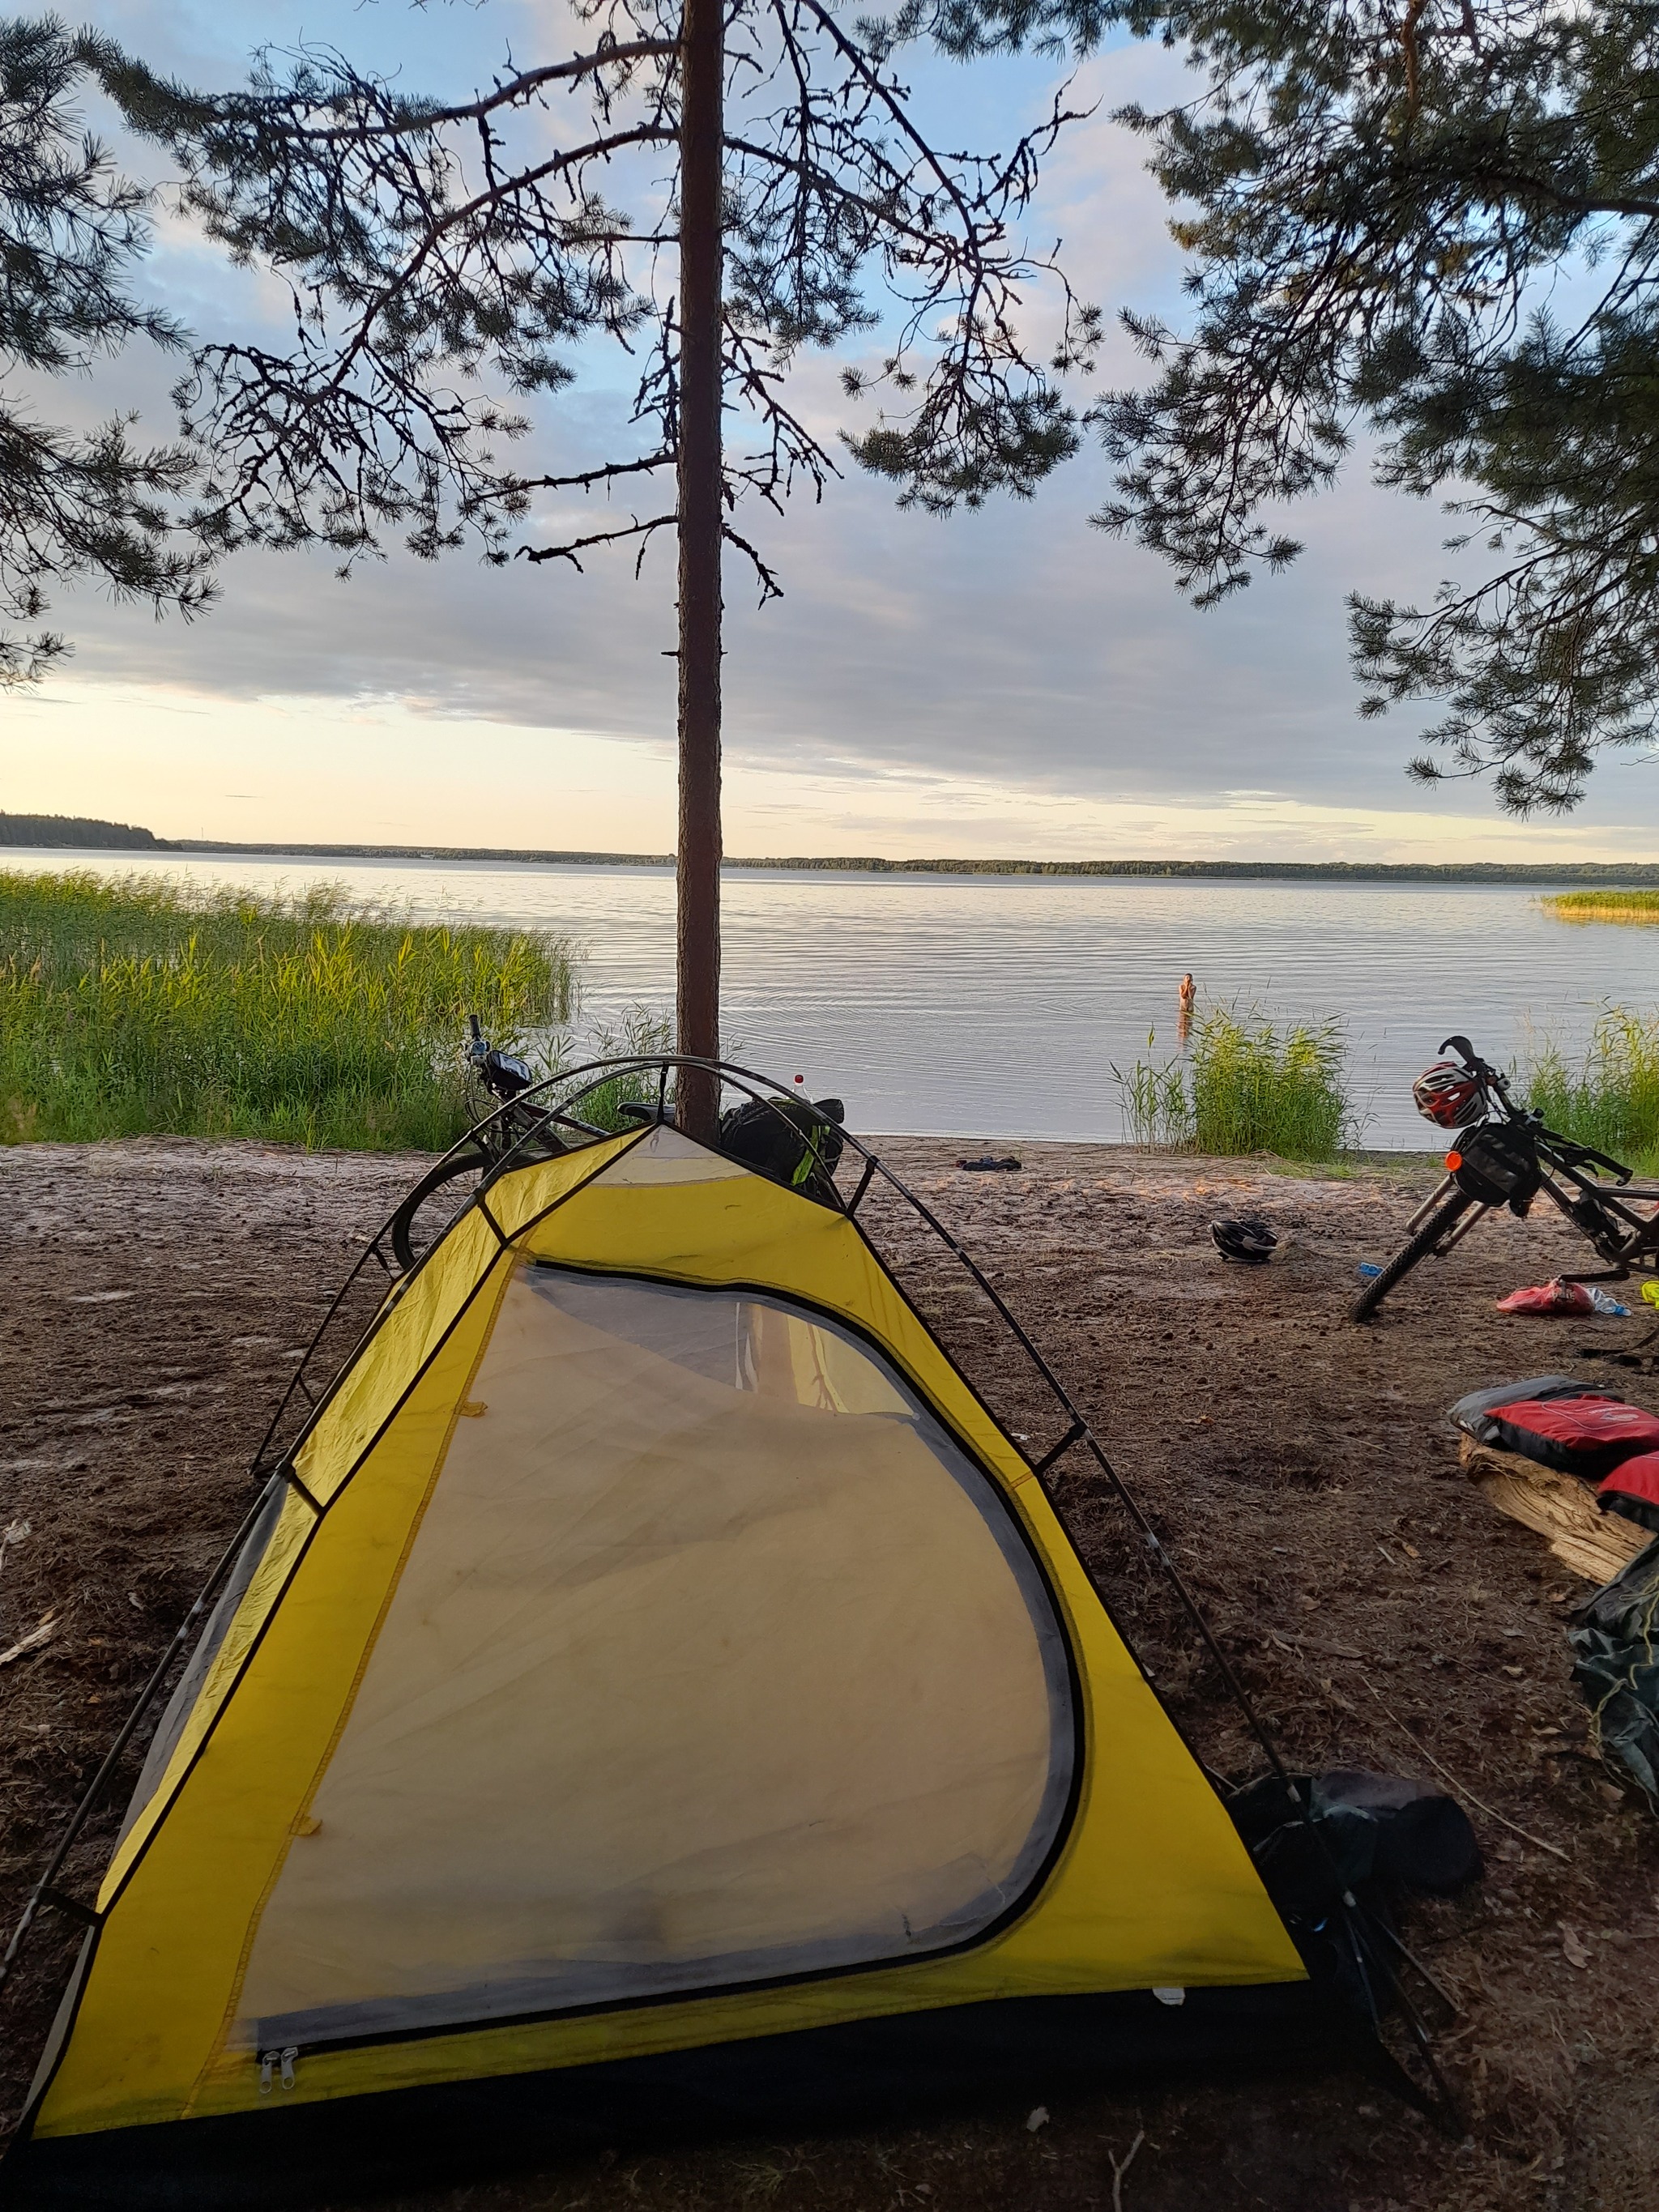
[{"x": 653, "y": 1682}]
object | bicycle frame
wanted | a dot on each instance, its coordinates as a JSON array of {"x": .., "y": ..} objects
[{"x": 1624, "y": 1253}]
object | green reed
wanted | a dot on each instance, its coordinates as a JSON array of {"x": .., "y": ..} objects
[
  {"x": 1610, "y": 1097},
  {"x": 1157, "y": 1110},
  {"x": 132, "y": 1006},
  {"x": 1248, "y": 1086},
  {"x": 1603, "y": 906},
  {"x": 1262, "y": 1087}
]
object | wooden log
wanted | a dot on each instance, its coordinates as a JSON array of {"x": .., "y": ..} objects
[{"x": 1562, "y": 1507}]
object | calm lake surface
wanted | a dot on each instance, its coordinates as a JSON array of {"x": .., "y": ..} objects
[{"x": 997, "y": 1007}]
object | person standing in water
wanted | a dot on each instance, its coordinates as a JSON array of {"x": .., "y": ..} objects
[{"x": 1188, "y": 996}]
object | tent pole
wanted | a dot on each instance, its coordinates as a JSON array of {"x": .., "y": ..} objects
[{"x": 703, "y": 66}]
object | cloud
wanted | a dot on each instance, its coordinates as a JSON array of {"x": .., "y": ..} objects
[
  {"x": 1016, "y": 652},
  {"x": 1015, "y": 643},
  {"x": 377, "y": 771}
]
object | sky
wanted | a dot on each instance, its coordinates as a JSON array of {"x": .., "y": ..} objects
[{"x": 1007, "y": 683}]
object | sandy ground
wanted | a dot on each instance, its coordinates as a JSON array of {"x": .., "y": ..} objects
[{"x": 157, "y": 1297}]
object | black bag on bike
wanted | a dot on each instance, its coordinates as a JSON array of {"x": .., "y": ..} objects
[
  {"x": 787, "y": 1140},
  {"x": 1496, "y": 1164}
]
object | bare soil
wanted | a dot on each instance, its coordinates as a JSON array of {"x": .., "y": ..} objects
[{"x": 1377, "y": 1610}]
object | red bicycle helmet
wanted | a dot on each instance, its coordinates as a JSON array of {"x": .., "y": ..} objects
[{"x": 1447, "y": 1095}]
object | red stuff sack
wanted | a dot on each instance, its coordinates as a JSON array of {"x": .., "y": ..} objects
[
  {"x": 1556, "y": 1297},
  {"x": 1634, "y": 1491},
  {"x": 1578, "y": 1436},
  {"x": 1473, "y": 1412}
]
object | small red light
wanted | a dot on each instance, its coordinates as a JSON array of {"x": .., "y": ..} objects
[{"x": 1454, "y": 1161}]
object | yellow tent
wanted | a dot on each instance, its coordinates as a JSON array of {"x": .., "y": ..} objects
[{"x": 653, "y": 1648}]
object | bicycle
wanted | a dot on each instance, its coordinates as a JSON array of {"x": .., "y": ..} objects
[
  {"x": 518, "y": 1127},
  {"x": 795, "y": 1141},
  {"x": 1503, "y": 1155}
]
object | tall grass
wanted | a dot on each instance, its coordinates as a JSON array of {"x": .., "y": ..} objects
[
  {"x": 1610, "y": 1097},
  {"x": 1157, "y": 1110},
  {"x": 1257, "y": 1088},
  {"x": 1249, "y": 1085},
  {"x": 134, "y": 1006},
  {"x": 1603, "y": 906}
]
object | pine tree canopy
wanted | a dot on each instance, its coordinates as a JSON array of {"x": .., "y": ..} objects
[
  {"x": 1424, "y": 229},
  {"x": 1431, "y": 225},
  {"x": 72, "y": 504},
  {"x": 452, "y": 258}
]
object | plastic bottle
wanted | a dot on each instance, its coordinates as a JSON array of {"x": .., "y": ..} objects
[{"x": 1604, "y": 1302}]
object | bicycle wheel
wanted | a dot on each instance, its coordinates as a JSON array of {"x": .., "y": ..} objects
[
  {"x": 409, "y": 1244},
  {"x": 1417, "y": 1247}
]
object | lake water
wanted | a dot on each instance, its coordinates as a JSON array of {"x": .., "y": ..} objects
[{"x": 997, "y": 1007}]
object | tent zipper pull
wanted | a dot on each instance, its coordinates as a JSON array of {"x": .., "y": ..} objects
[{"x": 269, "y": 2061}]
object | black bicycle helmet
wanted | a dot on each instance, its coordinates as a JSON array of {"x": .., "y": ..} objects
[{"x": 1252, "y": 1242}]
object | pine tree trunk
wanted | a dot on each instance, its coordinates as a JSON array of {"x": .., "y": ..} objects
[{"x": 702, "y": 126}]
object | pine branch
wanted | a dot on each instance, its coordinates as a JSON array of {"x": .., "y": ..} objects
[
  {"x": 572, "y": 546},
  {"x": 72, "y": 230},
  {"x": 438, "y": 252},
  {"x": 1374, "y": 204}
]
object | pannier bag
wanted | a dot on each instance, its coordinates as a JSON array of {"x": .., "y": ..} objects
[
  {"x": 1375, "y": 1836},
  {"x": 1560, "y": 1425},
  {"x": 1632, "y": 1490},
  {"x": 1373, "y": 1828},
  {"x": 1472, "y": 1414}
]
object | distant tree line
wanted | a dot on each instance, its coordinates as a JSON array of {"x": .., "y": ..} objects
[
  {"x": 72, "y": 830},
  {"x": 1597, "y": 872}
]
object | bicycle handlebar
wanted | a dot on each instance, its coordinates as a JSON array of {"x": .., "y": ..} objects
[{"x": 1490, "y": 1077}]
